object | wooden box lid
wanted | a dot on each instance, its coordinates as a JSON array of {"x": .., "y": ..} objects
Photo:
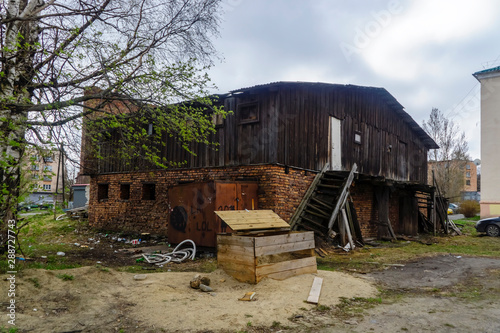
[{"x": 244, "y": 220}]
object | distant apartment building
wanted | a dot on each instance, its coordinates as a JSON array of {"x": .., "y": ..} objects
[
  {"x": 41, "y": 174},
  {"x": 463, "y": 175},
  {"x": 490, "y": 137}
]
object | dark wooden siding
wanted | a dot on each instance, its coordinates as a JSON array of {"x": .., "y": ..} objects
[{"x": 293, "y": 127}]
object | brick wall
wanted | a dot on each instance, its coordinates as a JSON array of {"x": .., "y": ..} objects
[{"x": 280, "y": 189}]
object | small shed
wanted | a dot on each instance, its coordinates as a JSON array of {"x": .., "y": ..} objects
[{"x": 262, "y": 245}]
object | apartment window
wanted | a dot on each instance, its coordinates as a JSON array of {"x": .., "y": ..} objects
[
  {"x": 35, "y": 167},
  {"x": 467, "y": 182},
  {"x": 48, "y": 159},
  {"x": 47, "y": 168},
  {"x": 467, "y": 166},
  {"x": 47, "y": 187},
  {"x": 47, "y": 178},
  {"x": 125, "y": 191},
  {"x": 102, "y": 192},
  {"x": 150, "y": 129},
  {"x": 35, "y": 176},
  {"x": 148, "y": 191},
  {"x": 248, "y": 113},
  {"x": 467, "y": 174}
]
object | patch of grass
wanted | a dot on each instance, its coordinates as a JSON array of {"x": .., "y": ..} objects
[
  {"x": 66, "y": 277},
  {"x": 139, "y": 269},
  {"x": 9, "y": 330},
  {"x": 248, "y": 315},
  {"x": 208, "y": 266},
  {"x": 35, "y": 282},
  {"x": 249, "y": 324},
  {"x": 449, "y": 325},
  {"x": 276, "y": 324},
  {"x": 323, "y": 308},
  {"x": 102, "y": 268}
]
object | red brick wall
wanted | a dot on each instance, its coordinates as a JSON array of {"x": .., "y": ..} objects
[
  {"x": 367, "y": 209},
  {"x": 279, "y": 189}
]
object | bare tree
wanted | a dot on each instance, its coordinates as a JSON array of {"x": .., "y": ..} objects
[
  {"x": 148, "y": 52},
  {"x": 449, "y": 161}
]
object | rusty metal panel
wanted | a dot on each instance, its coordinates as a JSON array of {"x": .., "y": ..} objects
[
  {"x": 192, "y": 209},
  {"x": 192, "y": 214}
]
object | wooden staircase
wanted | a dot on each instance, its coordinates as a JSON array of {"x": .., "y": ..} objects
[{"x": 324, "y": 201}]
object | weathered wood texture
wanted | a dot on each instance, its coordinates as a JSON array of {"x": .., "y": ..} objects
[
  {"x": 252, "y": 219},
  {"x": 290, "y": 127},
  {"x": 250, "y": 259}
]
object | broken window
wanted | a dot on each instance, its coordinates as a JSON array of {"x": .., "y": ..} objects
[
  {"x": 467, "y": 182},
  {"x": 125, "y": 191},
  {"x": 102, "y": 192},
  {"x": 148, "y": 191},
  {"x": 248, "y": 113}
]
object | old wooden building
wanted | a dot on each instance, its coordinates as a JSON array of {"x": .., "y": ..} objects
[{"x": 278, "y": 138}]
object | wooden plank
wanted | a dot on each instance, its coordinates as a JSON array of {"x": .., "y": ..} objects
[
  {"x": 282, "y": 248},
  {"x": 266, "y": 269},
  {"x": 347, "y": 228},
  {"x": 240, "y": 273},
  {"x": 235, "y": 240},
  {"x": 315, "y": 290},
  {"x": 233, "y": 257},
  {"x": 239, "y": 250},
  {"x": 293, "y": 237},
  {"x": 342, "y": 197},
  {"x": 252, "y": 219},
  {"x": 293, "y": 272}
]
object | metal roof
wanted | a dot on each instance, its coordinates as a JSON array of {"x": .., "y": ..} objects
[
  {"x": 489, "y": 70},
  {"x": 384, "y": 94}
]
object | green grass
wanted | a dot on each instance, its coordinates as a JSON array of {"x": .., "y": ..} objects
[
  {"x": 370, "y": 258},
  {"x": 66, "y": 277}
]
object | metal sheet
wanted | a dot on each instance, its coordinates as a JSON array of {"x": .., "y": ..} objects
[{"x": 192, "y": 209}]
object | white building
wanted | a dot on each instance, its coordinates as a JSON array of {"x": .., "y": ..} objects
[{"x": 490, "y": 140}]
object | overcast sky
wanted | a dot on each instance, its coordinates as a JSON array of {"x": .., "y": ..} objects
[{"x": 423, "y": 52}]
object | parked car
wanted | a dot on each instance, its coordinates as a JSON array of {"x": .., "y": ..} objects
[
  {"x": 491, "y": 226},
  {"x": 23, "y": 206},
  {"x": 453, "y": 208}
]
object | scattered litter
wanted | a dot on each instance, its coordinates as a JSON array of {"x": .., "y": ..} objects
[
  {"x": 175, "y": 256},
  {"x": 43, "y": 257},
  {"x": 351, "y": 322},
  {"x": 61, "y": 254},
  {"x": 77, "y": 244},
  {"x": 205, "y": 288},
  {"x": 222, "y": 280},
  {"x": 99, "y": 262},
  {"x": 458, "y": 257},
  {"x": 394, "y": 265},
  {"x": 140, "y": 277},
  {"x": 35, "y": 310},
  {"x": 135, "y": 241},
  {"x": 84, "y": 246},
  {"x": 19, "y": 258},
  {"x": 249, "y": 296}
]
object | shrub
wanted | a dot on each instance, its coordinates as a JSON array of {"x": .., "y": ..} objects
[{"x": 469, "y": 208}]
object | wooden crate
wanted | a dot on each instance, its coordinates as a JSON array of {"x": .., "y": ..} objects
[{"x": 277, "y": 255}]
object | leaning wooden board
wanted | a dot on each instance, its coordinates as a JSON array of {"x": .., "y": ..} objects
[{"x": 240, "y": 220}]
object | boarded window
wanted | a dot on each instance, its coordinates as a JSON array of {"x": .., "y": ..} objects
[
  {"x": 102, "y": 191},
  {"x": 148, "y": 191},
  {"x": 125, "y": 191},
  {"x": 248, "y": 113}
]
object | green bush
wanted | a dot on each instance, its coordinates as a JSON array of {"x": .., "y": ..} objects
[{"x": 469, "y": 208}]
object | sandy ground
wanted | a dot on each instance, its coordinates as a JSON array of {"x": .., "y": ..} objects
[{"x": 102, "y": 300}]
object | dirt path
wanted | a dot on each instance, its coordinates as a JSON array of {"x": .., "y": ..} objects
[
  {"x": 438, "y": 294},
  {"x": 101, "y": 300}
]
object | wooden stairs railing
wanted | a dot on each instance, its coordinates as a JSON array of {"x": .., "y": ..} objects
[{"x": 324, "y": 202}]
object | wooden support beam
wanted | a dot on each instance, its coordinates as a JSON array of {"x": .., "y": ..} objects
[{"x": 342, "y": 197}]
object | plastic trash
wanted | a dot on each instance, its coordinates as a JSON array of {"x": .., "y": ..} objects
[{"x": 62, "y": 254}]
